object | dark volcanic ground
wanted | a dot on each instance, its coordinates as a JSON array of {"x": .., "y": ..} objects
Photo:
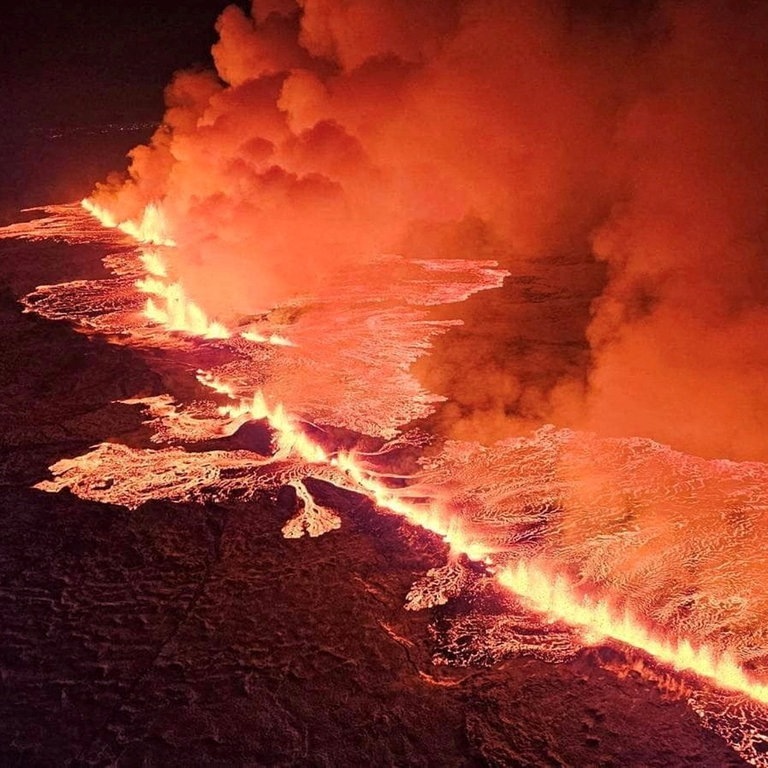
[{"x": 178, "y": 635}]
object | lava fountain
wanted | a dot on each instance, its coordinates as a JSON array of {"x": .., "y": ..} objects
[{"x": 550, "y": 594}]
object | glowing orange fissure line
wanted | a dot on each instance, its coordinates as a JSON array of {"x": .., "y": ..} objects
[
  {"x": 168, "y": 305},
  {"x": 151, "y": 229},
  {"x": 540, "y": 591}
]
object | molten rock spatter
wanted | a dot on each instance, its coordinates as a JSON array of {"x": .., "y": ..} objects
[
  {"x": 151, "y": 228},
  {"x": 168, "y": 306},
  {"x": 313, "y": 356}
]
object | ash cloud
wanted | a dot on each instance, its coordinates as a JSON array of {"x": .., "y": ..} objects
[{"x": 612, "y": 157}]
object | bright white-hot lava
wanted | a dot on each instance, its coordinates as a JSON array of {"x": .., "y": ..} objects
[
  {"x": 176, "y": 312},
  {"x": 612, "y": 160},
  {"x": 151, "y": 228},
  {"x": 168, "y": 305},
  {"x": 557, "y": 598},
  {"x": 553, "y": 596}
]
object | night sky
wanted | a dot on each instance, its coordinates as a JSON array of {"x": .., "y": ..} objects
[{"x": 73, "y": 69}]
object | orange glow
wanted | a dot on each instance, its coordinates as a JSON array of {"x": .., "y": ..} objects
[
  {"x": 176, "y": 312},
  {"x": 153, "y": 263},
  {"x": 551, "y": 595},
  {"x": 556, "y": 598},
  {"x": 274, "y": 338},
  {"x": 168, "y": 305},
  {"x": 289, "y": 438},
  {"x": 593, "y": 435}
]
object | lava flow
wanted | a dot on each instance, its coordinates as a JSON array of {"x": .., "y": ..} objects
[
  {"x": 423, "y": 502},
  {"x": 172, "y": 310},
  {"x": 168, "y": 305},
  {"x": 553, "y": 596}
]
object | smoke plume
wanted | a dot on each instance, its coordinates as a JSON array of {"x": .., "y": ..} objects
[{"x": 612, "y": 157}]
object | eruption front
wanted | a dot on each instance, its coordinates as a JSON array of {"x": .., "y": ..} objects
[
  {"x": 444, "y": 256},
  {"x": 519, "y": 510}
]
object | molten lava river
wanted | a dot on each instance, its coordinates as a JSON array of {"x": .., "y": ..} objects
[{"x": 556, "y": 540}]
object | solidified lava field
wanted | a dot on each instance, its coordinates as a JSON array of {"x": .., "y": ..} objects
[{"x": 188, "y": 634}]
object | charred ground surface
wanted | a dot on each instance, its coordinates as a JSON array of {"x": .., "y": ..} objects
[{"x": 178, "y": 635}]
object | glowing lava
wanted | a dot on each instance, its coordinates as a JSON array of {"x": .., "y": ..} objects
[
  {"x": 552, "y": 596},
  {"x": 168, "y": 305},
  {"x": 151, "y": 228},
  {"x": 273, "y": 338},
  {"x": 555, "y": 596},
  {"x": 176, "y": 312}
]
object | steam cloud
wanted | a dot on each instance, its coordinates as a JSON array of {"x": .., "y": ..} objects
[{"x": 614, "y": 153}]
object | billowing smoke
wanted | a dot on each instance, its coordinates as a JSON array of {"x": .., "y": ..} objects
[
  {"x": 612, "y": 156},
  {"x": 678, "y": 337}
]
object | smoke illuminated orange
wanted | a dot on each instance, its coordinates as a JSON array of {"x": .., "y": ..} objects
[
  {"x": 168, "y": 305},
  {"x": 174, "y": 311},
  {"x": 591, "y": 435}
]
